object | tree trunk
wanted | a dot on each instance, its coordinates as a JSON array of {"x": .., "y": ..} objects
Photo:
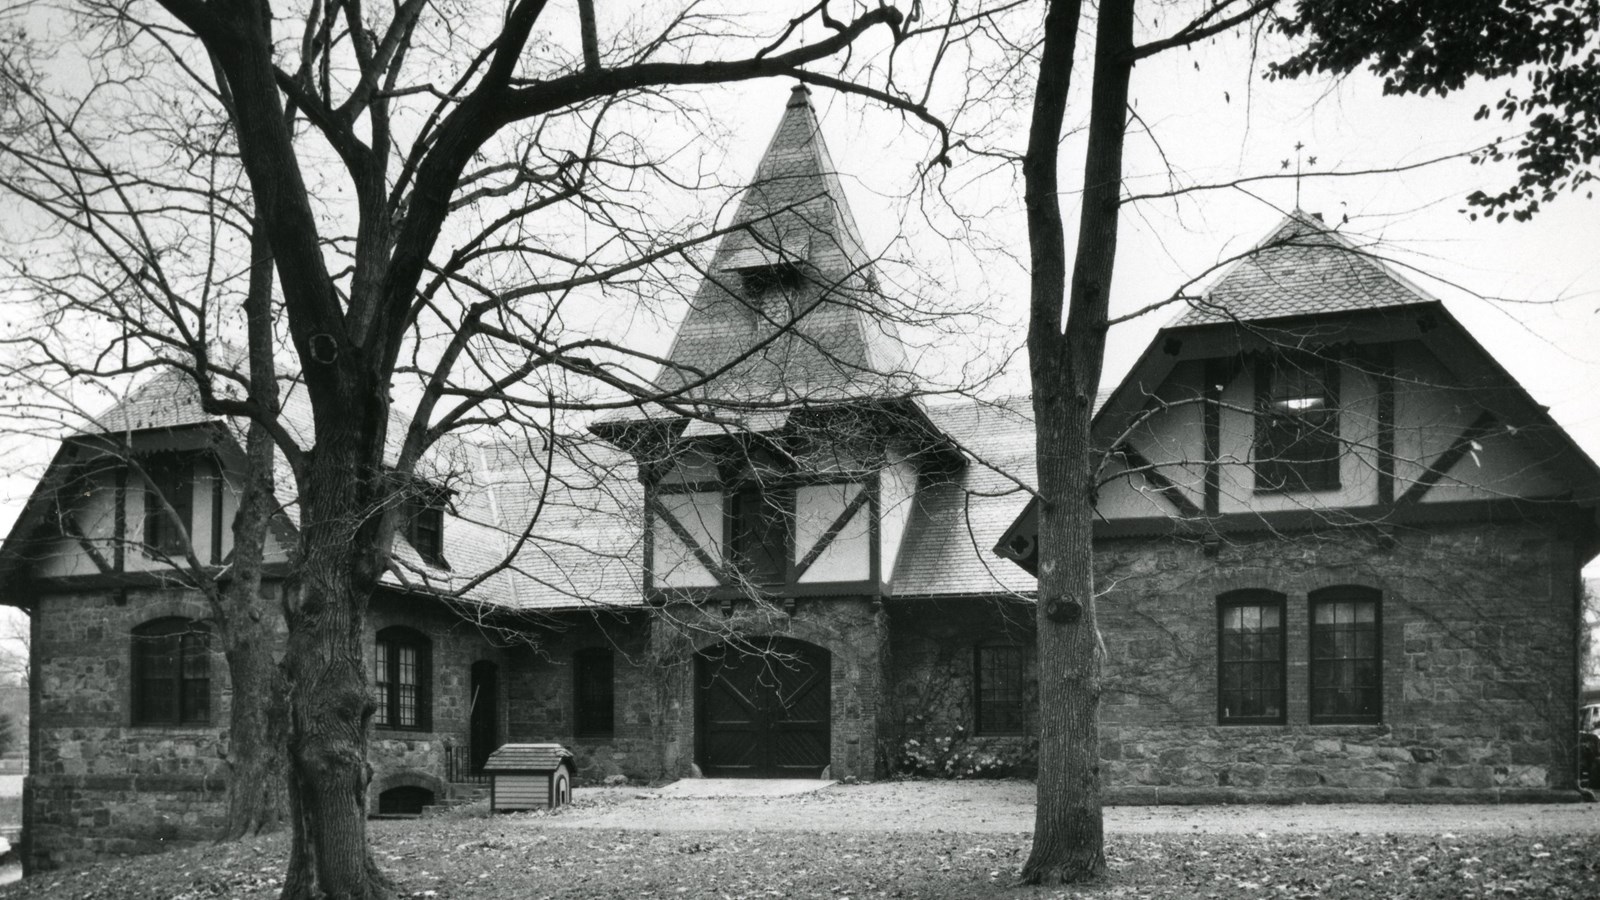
[
  {"x": 258, "y": 721},
  {"x": 1069, "y": 840},
  {"x": 256, "y": 760},
  {"x": 329, "y": 699}
]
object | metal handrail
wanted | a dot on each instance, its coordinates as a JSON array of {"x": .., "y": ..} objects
[{"x": 458, "y": 766}]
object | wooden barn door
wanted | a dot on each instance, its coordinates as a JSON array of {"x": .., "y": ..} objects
[{"x": 764, "y": 710}]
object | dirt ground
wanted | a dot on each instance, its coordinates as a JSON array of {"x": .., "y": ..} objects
[{"x": 1007, "y": 807}]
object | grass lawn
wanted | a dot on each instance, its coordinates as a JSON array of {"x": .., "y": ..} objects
[{"x": 520, "y": 858}]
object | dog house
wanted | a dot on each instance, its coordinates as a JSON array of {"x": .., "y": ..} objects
[{"x": 529, "y": 776}]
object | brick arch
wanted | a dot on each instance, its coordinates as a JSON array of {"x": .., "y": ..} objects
[
  {"x": 1347, "y": 577},
  {"x": 404, "y": 778},
  {"x": 798, "y": 628},
  {"x": 1275, "y": 580},
  {"x": 167, "y": 608}
]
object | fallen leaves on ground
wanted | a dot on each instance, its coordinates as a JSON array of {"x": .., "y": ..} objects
[{"x": 478, "y": 857}]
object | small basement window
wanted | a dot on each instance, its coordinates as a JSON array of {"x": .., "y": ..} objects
[{"x": 404, "y": 801}]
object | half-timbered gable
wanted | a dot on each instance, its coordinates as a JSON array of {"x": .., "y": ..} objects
[{"x": 1340, "y": 547}]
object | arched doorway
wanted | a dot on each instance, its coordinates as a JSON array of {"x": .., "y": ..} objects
[
  {"x": 764, "y": 709},
  {"x": 483, "y": 731}
]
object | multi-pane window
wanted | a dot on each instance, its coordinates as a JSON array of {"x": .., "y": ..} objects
[
  {"x": 400, "y": 679},
  {"x": 998, "y": 692},
  {"x": 594, "y": 693},
  {"x": 759, "y": 538},
  {"x": 168, "y": 476},
  {"x": 171, "y": 673},
  {"x": 1346, "y": 664},
  {"x": 1297, "y": 424},
  {"x": 1250, "y": 655}
]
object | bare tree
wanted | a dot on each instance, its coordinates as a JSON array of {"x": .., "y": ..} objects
[
  {"x": 1069, "y": 302},
  {"x": 415, "y": 227}
]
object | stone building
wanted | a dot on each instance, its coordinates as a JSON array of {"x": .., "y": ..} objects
[{"x": 1339, "y": 550}]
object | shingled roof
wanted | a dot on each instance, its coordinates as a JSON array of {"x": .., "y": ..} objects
[
  {"x": 528, "y": 757},
  {"x": 955, "y": 521},
  {"x": 790, "y": 311},
  {"x": 1302, "y": 267}
]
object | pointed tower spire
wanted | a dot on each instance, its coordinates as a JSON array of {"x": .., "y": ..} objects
[{"x": 792, "y": 292}]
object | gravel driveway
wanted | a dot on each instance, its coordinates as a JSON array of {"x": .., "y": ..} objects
[{"x": 1007, "y": 807}]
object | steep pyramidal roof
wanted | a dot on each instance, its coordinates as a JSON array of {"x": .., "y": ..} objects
[
  {"x": 1302, "y": 267},
  {"x": 789, "y": 311}
]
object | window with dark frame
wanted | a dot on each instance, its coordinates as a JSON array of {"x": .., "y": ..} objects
[
  {"x": 401, "y": 667},
  {"x": 998, "y": 691},
  {"x": 171, "y": 673},
  {"x": 1250, "y": 658},
  {"x": 424, "y": 530},
  {"x": 1346, "y": 656},
  {"x": 1297, "y": 424},
  {"x": 594, "y": 693},
  {"x": 759, "y": 533},
  {"x": 169, "y": 476}
]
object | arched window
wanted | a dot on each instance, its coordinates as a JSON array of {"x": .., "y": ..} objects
[
  {"x": 1250, "y": 658},
  {"x": 401, "y": 678},
  {"x": 997, "y": 691},
  {"x": 594, "y": 693},
  {"x": 172, "y": 673},
  {"x": 1346, "y": 655}
]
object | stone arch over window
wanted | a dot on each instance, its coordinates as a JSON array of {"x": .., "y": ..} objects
[
  {"x": 402, "y": 679},
  {"x": 404, "y": 793},
  {"x": 1346, "y": 655},
  {"x": 171, "y": 669}
]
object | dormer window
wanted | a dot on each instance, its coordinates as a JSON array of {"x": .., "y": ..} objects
[
  {"x": 424, "y": 529},
  {"x": 783, "y": 276},
  {"x": 1297, "y": 424}
]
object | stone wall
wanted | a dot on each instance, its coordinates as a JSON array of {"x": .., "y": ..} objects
[
  {"x": 853, "y": 631},
  {"x": 930, "y": 714},
  {"x": 1477, "y": 647},
  {"x": 543, "y": 695},
  {"x": 100, "y": 785},
  {"x": 403, "y": 757}
]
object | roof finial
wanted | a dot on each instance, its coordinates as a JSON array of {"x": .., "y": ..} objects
[
  {"x": 800, "y": 96},
  {"x": 1309, "y": 160}
]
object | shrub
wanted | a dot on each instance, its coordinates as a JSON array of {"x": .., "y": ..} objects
[{"x": 960, "y": 755}]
